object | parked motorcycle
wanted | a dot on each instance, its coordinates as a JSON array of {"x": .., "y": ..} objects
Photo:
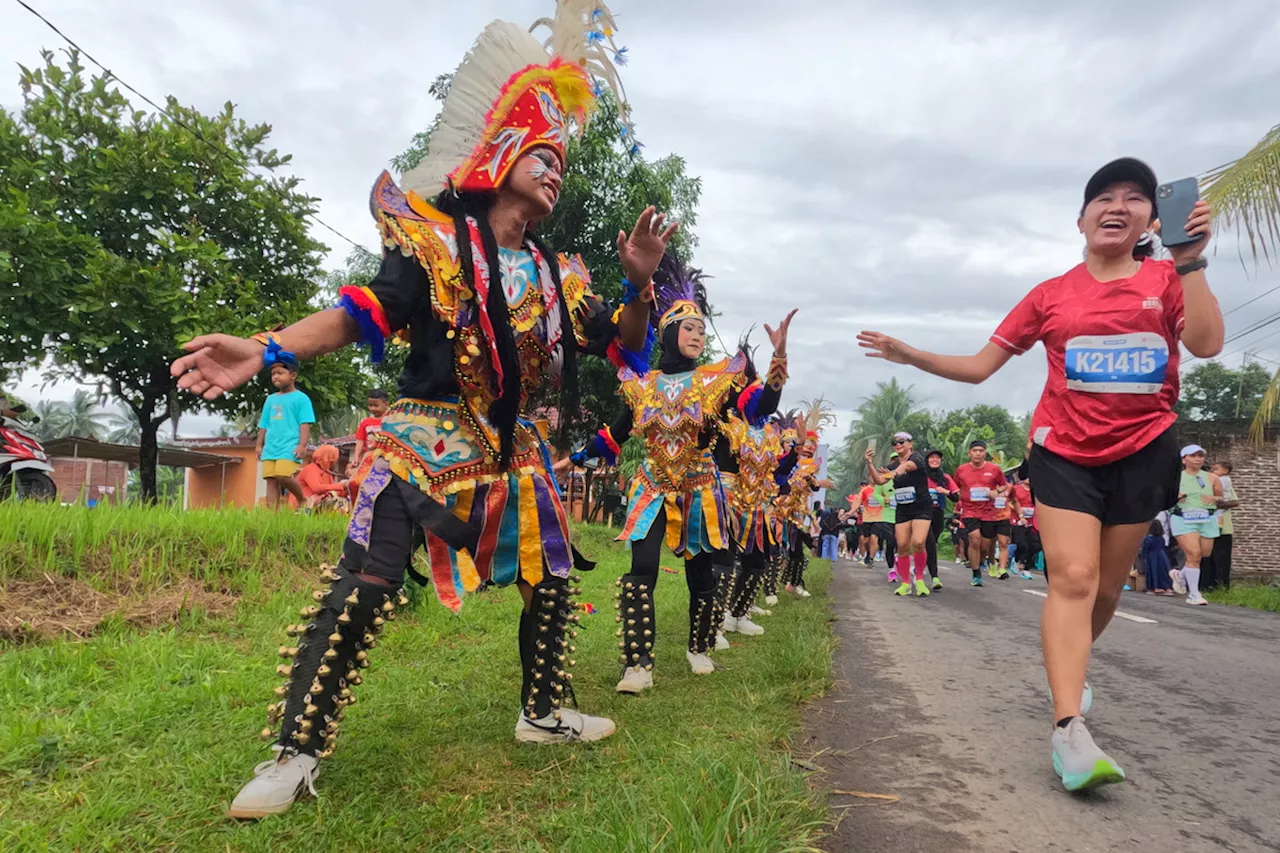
[{"x": 25, "y": 471}]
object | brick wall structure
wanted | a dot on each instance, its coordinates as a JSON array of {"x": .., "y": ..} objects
[
  {"x": 90, "y": 479},
  {"x": 1256, "y": 477}
]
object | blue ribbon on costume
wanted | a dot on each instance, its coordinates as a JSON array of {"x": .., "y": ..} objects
[
  {"x": 277, "y": 354},
  {"x": 542, "y": 444}
]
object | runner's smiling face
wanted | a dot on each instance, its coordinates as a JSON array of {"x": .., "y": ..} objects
[
  {"x": 1114, "y": 220},
  {"x": 692, "y": 338},
  {"x": 535, "y": 179},
  {"x": 935, "y": 461},
  {"x": 902, "y": 447}
]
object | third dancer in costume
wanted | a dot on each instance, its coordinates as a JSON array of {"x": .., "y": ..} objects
[{"x": 675, "y": 496}]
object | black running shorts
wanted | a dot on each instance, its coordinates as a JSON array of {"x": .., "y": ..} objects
[
  {"x": 987, "y": 528},
  {"x": 1003, "y": 528},
  {"x": 1132, "y": 490}
]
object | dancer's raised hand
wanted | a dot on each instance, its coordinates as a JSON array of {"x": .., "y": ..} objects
[
  {"x": 778, "y": 337},
  {"x": 642, "y": 250}
]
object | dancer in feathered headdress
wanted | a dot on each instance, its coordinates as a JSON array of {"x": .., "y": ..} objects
[
  {"x": 799, "y": 473},
  {"x": 675, "y": 411},
  {"x": 747, "y": 457},
  {"x": 491, "y": 314}
]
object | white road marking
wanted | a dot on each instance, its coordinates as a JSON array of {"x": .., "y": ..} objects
[{"x": 1132, "y": 618}]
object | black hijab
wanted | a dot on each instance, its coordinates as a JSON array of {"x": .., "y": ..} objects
[{"x": 672, "y": 361}]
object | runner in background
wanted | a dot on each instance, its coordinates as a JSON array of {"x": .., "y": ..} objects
[
  {"x": 1003, "y": 516},
  {"x": 888, "y": 522},
  {"x": 979, "y": 481},
  {"x": 941, "y": 488},
  {"x": 1025, "y": 536},
  {"x": 1193, "y": 522},
  {"x": 913, "y": 508},
  {"x": 1105, "y": 459},
  {"x": 872, "y": 515}
]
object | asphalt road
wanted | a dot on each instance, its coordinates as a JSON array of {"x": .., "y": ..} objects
[{"x": 943, "y": 703}]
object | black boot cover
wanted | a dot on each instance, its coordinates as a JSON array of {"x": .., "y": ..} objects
[
  {"x": 547, "y": 630},
  {"x": 637, "y": 629},
  {"x": 725, "y": 577},
  {"x": 751, "y": 574},
  {"x": 333, "y": 644},
  {"x": 702, "y": 630}
]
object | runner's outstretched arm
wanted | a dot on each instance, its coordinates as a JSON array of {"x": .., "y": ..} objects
[{"x": 973, "y": 369}]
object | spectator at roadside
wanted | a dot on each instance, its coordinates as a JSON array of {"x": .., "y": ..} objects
[
  {"x": 828, "y": 531},
  {"x": 378, "y": 403},
  {"x": 1217, "y": 569},
  {"x": 283, "y": 433}
]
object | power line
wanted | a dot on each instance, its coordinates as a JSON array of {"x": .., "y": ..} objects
[
  {"x": 1251, "y": 301},
  {"x": 217, "y": 149}
]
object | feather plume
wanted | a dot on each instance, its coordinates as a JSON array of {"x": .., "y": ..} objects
[
  {"x": 817, "y": 414},
  {"x": 674, "y": 282}
]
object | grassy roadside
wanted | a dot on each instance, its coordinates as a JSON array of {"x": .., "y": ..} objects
[
  {"x": 1258, "y": 596},
  {"x": 137, "y": 740}
]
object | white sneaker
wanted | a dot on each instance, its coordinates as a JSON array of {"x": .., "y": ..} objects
[
  {"x": 802, "y": 592},
  {"x": 751, "y": 629},
  {"x": 1198, "y": 600},
  {"x": 275, "y": 785},
  {"x": 759, "y": 611},
  {"x": 730, "y": 623},
  {"x": 571, "y": 727},
  {"x": 722, "y": 642},
  {"x": 1179, "y": 582},
  {"x": 700, "y": 664},
  {"x": 771, "y": 600},
  {"x": 636, "y": 679},
  {"x": 1086, "y": 699}
]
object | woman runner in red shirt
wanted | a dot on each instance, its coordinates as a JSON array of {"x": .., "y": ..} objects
[{"x": 1105, "y": 459}]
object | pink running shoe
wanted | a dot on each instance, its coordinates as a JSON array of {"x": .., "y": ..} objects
[{"x": 893, "y": 576}]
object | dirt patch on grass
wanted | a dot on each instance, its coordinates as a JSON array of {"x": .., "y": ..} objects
[{"x": 32, "y": 611}]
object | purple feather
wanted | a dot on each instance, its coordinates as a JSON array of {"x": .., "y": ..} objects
[{"x": 673, "y": 282}]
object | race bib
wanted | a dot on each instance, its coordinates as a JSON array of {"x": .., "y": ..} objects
[
  {"x": 1028, "y": 512},
  {"x": 978, "y": 494},
  {"x": 874, "y": 502},
  {"x": 905, "y": 495},
  {"x": 1133, "y": 363},
  {"x": 1001, "y": 502},
  {"x": 1195, "y": 514}
]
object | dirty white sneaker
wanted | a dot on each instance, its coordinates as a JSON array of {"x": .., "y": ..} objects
[
  {"x": 759, "y": 611},
  {"x": 636, "y": 679},
  {"x": 771, "y": 600},
  {"x": 275, "y": 785},
  {"x": 746, "y": 626},
  {"x": 1179, "y": 582},
  {"x": 722, "y": 642},
  {"x": 564, "y": 726},
  {"x": 802, "y": 592},
  {"x": 700, "y": 664},
  {"x": 730, "y": 623}
]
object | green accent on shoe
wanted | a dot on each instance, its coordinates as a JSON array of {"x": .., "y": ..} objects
[
  {"x": 921, "y": 588},
  {"x": 992, "y": 571},
  {"x": 976, "y": 580},
  {"x": 1103, "y": 773},
  {"x": 1004, "y": 575},
  {"x": 937, "y": 583},
  {"x": 905, "y": 589}
]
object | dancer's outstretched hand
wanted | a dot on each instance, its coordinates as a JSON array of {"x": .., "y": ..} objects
[
  {"x": 216, "y": 364},
  {"x": 641, "y": 251},
  {"x": 778, "y": 337},
  {"x": 883, "y": 346}
]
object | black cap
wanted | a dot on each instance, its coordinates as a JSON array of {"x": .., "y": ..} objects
[
  {"x": 934, "y": 452},
  {"x": 1117, "y": 171},
  {"x": 977, "y": 442}
]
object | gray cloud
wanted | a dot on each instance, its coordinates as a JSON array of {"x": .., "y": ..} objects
[{"x": 915, "y": 169}]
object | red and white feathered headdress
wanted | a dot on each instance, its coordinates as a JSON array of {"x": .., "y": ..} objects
[{"x": 513, "y": 93}]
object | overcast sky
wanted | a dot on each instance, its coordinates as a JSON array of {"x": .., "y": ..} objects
[{"x": 914, "y": 169}]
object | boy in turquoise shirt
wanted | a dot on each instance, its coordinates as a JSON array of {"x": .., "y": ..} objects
[{"x": 283, "y": 433}]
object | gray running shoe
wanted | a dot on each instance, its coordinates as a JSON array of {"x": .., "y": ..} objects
[{"x": 1077, "y": 759}]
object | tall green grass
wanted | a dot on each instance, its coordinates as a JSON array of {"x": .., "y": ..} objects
[
  {"x": 137, "y": 741},
  {"x": 138, "y": 548}
]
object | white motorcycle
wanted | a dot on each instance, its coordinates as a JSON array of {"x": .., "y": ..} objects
[{"x": 25, "y": 471}]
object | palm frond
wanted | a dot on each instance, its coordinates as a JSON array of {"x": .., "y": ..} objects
[
  {"x": 1266, "y": 411},
  {"x": 1245, "y": 195}
]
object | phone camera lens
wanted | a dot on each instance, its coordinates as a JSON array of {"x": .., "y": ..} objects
[{"x": 1164, "y": 191}]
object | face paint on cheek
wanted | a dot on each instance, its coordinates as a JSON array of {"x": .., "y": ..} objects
[{"x": 538, "y": 169}]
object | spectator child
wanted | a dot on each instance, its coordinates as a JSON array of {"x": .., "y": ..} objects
[
  {"x": 378, "y": 404},
  {"x": 283, "y": 432}
]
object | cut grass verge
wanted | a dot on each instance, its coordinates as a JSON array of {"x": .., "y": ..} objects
[
  {"x": 1258, "y": 596},
  {"x": 137, "y": 741}
]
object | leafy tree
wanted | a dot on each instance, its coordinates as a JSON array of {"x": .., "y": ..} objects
[
  {"x": 124, "y": 427},
  {"x": 1006, "y": 433},
  {"x": 1213, "y": 392},
  {"x": 1245, "y": 194},
  {"x": 604, "y": 190},
  {"x": 891, "y": 409},
  {"x": 124, "y": 233}
]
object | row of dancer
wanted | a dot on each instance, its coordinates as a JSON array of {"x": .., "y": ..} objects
[{"x": 492, "y": 318}]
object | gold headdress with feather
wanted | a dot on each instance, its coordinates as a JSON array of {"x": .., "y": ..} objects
[
  {"x": 513, "y": 93},
  {"x": 815, "y": 415}
]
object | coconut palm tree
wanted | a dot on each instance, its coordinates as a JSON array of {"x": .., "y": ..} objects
[
  {"x": 52, "y": 416},
  {"x": 1245, "y": 195},
  {"x": 84, "y": 417},
  {"x": 124, "y": 427},
  {"x": 879, "y": 416}
]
